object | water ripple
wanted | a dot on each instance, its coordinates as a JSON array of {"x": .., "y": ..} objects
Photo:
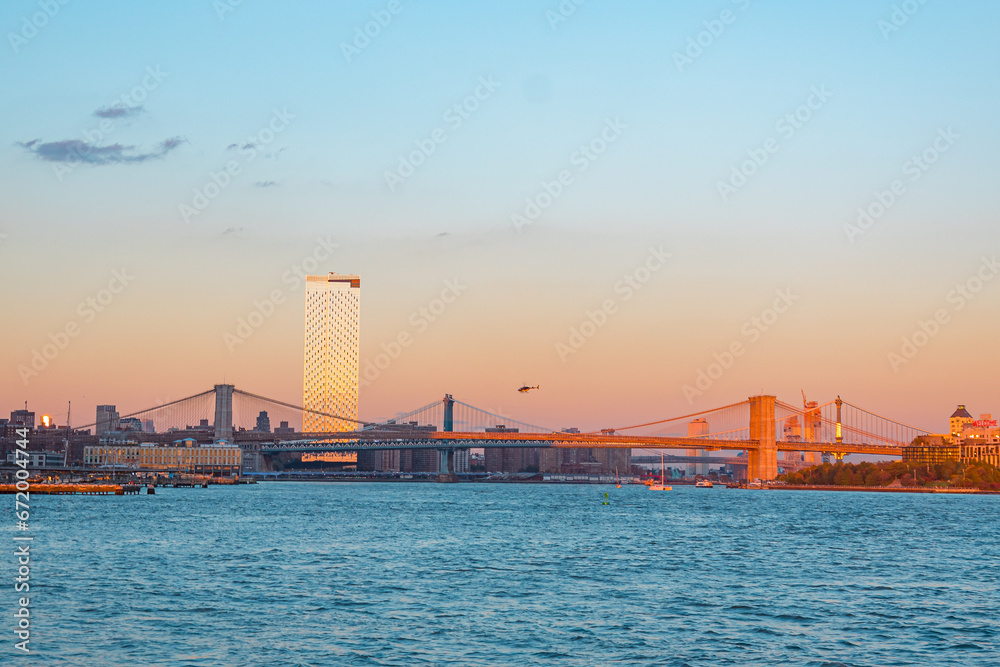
[{"x": 423, "y": 574}]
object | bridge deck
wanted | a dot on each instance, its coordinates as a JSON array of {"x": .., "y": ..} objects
[{"x": 376, "y": 440}]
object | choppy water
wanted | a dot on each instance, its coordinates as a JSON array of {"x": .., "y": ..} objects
[{"x": 433, "y": 574}]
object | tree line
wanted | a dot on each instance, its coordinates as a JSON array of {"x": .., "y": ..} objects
[{"x": 972, "y": 475}]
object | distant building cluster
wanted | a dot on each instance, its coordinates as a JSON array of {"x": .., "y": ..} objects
[
  {"x": 968, "y": 440},
  {"x": 556, "y": 460},
  {"x": 411, "y": 460}
]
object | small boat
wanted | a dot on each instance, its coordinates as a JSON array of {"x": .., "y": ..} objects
[
  {"x": 661, "y": 486},
  {"x": 703, "y": 484}
]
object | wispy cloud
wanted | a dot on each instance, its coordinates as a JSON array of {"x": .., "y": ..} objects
[
  {"x": 265, "y": 184},
  {"x": 119, "y": 111},
  {"x": 74, "y": 150}
]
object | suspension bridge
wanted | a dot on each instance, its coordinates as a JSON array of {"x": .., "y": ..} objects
[{"x": 762, "y": 426}]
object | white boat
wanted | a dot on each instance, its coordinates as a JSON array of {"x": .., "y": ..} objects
[
  {"x": 661, "y": 486},
  {"x": 703, "y": 484}
]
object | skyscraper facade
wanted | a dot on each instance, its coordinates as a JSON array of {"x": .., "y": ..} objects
[
  {"x": 332, "y": 350},
  {"x": 107, "y": 419}
]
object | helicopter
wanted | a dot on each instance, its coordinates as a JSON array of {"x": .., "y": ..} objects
[{"x": 525, "y": 389}]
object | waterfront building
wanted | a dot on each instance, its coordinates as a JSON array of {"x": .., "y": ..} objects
[
  {"x": 959, "y": 419},
  {"x": 930, "y": 449},
  {"x": 283, "y": 429},
  {"x": 332, "y": 350},
  {"x": 40, "y": 459},
  {"x": 112, "y": 454},
  {"x": 219, "y": 459},
  {"x": 988, "y": 451},
  {"x": 981, "y": 440},
  {"x": 107, "y": 419}
]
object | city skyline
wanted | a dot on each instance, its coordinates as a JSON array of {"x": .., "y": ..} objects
[{"x": 793, "y": 192}]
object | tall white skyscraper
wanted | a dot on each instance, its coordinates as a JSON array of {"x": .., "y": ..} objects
[{"x": 332, "y": 349}]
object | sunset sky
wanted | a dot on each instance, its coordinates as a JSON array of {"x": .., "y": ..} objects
[{"x": 179, "y": 163}]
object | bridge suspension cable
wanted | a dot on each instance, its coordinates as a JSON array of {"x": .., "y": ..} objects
[
  {"x": 158, "y": 407},
  {"x": 912, "y": 428},
  {"x": 299, "y": 407},
  {"x": 505, "y": 420},
  {"x": 673, "y": 419}
]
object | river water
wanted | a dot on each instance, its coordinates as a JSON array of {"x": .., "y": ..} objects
[{"x": 508, "y": 574}]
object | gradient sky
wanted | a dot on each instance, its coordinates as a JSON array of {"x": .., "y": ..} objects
[{"x": 67, "y": 226}]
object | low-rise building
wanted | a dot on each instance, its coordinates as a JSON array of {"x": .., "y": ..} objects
[
  {"x": 39, "y": 459},
  {"x": 221, "y": 459},
  {"x": 981, "y": 441},
  {"x": 930, "y": 449}
]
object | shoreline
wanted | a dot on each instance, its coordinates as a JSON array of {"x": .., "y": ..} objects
[{"x": 882, "y": 489}]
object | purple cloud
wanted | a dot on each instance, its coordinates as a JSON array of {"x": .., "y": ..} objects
[
  {"x": 74, "y": 150},
  {"x": 118, "y": 111}
]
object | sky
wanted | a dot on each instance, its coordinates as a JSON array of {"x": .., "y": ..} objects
[{"x": 647, "y": 208}]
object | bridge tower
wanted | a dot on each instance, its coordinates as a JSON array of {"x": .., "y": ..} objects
[
  {"x": 224, "y": 412},
  {"x": 449, "y": 413},
  {"x": 762, "y": 461},
  {"x": 446, "y": 472}
]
